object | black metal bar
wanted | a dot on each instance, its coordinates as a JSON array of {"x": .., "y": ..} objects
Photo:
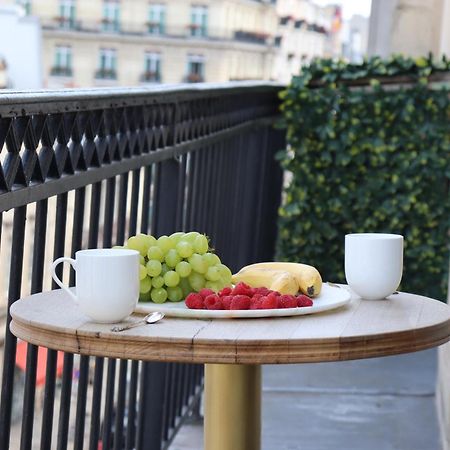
[
  {"x": 10, "y": 343},
  {"x": 96, "y": 404},
  {"x": 132, "y": 397},
  {"x": 81, "y": 403},
  {"x": 109, "y": 405},
  {"x": 50, "y": 375},
  {"x": 64, "y": 408},
  {"x": 119, "y": 436},
  {"x": 40, "y": 233},
  {"x": 94, "y": 216},
  {"x": 122, "y": 208}
]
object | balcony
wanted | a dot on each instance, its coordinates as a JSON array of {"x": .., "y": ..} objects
[
  {"x": 61, "y": 72},
  {"x": 194, "y": 78},
  {"x": 101, "y": 165},
  {"x": 150, "y": 77},
  {"x": 106, "y": 74},
  {"x": 157, "y": 30}
]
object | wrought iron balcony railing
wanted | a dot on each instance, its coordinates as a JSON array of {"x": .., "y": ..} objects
[{"x": 84, "y": 169}]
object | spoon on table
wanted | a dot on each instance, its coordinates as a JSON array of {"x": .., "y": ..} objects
[{"x": 149, "y": 318}]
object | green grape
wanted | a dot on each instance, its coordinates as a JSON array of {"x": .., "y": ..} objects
[
  {"x": 172, "y": 258},
  {"x": 145, "y": 285},
  {"x": 165, "y": 243},
  {"x": 191, "y": 236},
  {"x": 159, "y": 295},
  {"x": 184, "y": 249},
  {"x": 164, "y": 269},
  {"x": 197, "y": 281},
  {"x": 211, "y": 259},
  {"x": 142, "y": 260},
  {"x": 198, "y": 263},
  {"x": 212, "y": 274},
  {"x": 201, "y": 244},
  {"x": 214, "y": 285},
  {"x": 137, "y": 243},
  {"x": 175, "y": 237},
  {"x": 119, "y": 247},
  {"x": 175, "y": 294},
  {"x": 185, "y": 286},
  {"x": 142, "y": 272},
  {"x": 171, "y": 278},
  {"x": 145, "y": 297},
  {"x": 148, "y": 239},
  {"x": 225, "y": 273},
  {"x": 183, "y": 268},
  {"x": 158, "y": 282},
  {"x": 153, "y": 267},
  {"x": 155, "y": 252}
]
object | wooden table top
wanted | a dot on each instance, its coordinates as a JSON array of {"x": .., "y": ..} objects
[{"x": 362, "y": 329}]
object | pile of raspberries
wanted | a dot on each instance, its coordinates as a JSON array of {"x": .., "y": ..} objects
[{"x": 243, "y": 296}]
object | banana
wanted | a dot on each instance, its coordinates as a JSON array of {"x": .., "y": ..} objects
[
  {"x": 308, "y": 277},
  {"x": 276, "y": 280}
]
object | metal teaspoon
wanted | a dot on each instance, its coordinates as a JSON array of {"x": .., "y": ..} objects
[{"x": 149, "y": 318}]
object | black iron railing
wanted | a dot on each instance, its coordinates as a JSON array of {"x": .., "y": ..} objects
[{"x": 83, "y": 169}]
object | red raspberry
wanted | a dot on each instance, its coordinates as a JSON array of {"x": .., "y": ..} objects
[
  {"x": 226, "y": 301},
  {"x": 242, "y": 289},
  {"x": 225, "y": 291},
  {"x": 304, "y": 300},
  {"x": 194, "y": 301},
  {"x": 240, "y": 302},
  {"x": 288, "y": 301},
  {"x": 256, "y": 297},
  {"x": 256, "y": 303},
  {"x": 205, "y": 292},
  {"x": 263, "y": 291},
  {"x": 269, "y": 302},
  {"x": 275, "y": 298},
  {"x": 213, "y": 302}
]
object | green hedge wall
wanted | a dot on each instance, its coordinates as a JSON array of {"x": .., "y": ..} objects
[{"x": 373, "y": 158}]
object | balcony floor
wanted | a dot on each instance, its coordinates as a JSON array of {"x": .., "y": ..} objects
[{"x": 376, "y": 404}]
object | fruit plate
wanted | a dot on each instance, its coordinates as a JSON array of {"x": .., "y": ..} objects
[{"x": 331, "y": 297}]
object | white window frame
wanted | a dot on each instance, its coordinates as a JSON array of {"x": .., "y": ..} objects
[
  {"x": 67, "y": 12},
  {"x": 152, "y": 64},
  {"x": 199, "y": 20},
  {"x": 157, "y": 18},
  {"x": 111, "y": 15},
  {"x": 195, "y": 59},
  {"x": 109, "y": 55}
]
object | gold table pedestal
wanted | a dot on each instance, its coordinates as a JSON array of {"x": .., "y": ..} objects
[{"x": 232, "y": 407}]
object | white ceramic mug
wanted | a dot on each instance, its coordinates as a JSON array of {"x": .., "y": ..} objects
[
  {"x": 106, "y": 282},
  {"x": 373, "y": 263}
]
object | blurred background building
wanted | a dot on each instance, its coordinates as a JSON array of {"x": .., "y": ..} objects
[
  {"x": 116, "y": 42},
  {"x": 83, "y": 43}
]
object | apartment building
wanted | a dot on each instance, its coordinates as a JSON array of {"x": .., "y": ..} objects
[
  {"x": 305, "y": 31},
  {"x": 132, "y": 42}
]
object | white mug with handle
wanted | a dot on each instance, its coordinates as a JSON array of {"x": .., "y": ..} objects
[{"x": 106, "y": 282}]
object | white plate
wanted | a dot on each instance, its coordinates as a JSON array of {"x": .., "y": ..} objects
[{"x": 332, "y": 296}]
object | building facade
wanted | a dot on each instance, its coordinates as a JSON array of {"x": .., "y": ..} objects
[
  {"x": 132, "y": 42},
  {"x": 305, "y": 31}
]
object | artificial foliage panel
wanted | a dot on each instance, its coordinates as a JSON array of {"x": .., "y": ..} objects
[{"x": 368, "y": 151}]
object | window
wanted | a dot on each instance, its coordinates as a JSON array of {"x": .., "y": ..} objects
[
  {"x": 152, "y": 69},
  {"x": 67, "y": 13},
  {"x": 63, "y": 61},
  {"x": 199, "y": 20},
  {"x": 107, "y": 64},
  {"x": 195, "y": 69},
  {"x": 26, "y": 5},
  {"x": 157, "y": 19},
  {"x": 111, "y": 15}
]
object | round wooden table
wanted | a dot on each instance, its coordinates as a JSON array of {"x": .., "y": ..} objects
[{"x": 233, "y": 350}]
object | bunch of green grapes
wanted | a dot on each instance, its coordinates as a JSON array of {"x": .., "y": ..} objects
[{"x": 173, "y": 266}]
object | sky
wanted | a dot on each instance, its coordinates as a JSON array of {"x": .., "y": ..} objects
[{"x": 349, "y": 7}]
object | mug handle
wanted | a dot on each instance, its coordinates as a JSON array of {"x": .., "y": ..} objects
[{"x": 73, "y": 263}]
